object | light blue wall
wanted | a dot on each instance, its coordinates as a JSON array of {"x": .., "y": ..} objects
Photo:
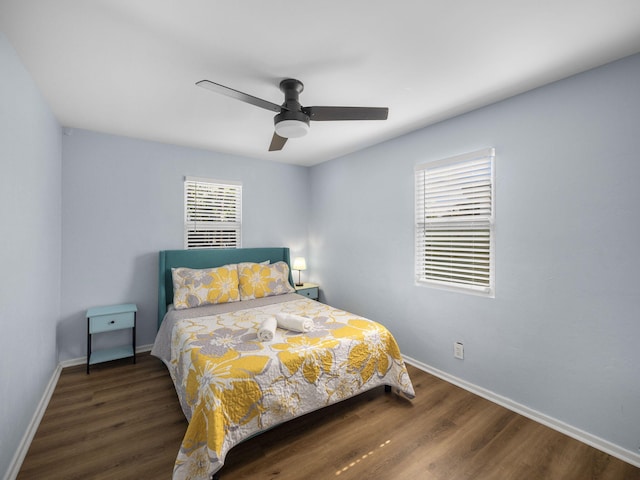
[
  {"x": 123, "y": 202},
  {"x": 561, "y": 335},
  {"x": 30, "y": 160}
]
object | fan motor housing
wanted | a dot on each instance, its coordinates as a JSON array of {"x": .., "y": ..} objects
[{"x": 298, "y": 116}]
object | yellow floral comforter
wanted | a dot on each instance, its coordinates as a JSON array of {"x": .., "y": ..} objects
[{"x": 232, "y": 386}]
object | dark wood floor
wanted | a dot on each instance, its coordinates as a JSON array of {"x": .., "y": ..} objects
[{"x": 123, "y": 421}]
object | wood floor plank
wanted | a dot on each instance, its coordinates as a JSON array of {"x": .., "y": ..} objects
[{"x": 124, "y": 421}]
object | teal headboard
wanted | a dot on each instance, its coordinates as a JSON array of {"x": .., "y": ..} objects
[{"x": 208, "y": 258}]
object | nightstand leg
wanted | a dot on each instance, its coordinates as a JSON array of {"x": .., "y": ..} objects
[
  {"x": 88, "y": 346},
  {"x": 133, "y": 340}
]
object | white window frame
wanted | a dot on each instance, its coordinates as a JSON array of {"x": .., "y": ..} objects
[
  {"x": 212, "y": 213},
  {"x": 454, "y": 230}
]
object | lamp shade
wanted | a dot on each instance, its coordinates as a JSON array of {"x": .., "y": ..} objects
[{"x": 299, "y": 263}]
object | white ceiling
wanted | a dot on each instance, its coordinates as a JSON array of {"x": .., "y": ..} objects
[{"x": 129, "y": 67}]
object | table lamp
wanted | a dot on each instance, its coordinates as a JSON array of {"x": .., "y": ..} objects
[{"x": 299, "y": 263}]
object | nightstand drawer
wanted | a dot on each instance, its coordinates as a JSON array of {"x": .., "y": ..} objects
[
  {"x": 116, "y": 321},
  {"x": 309, "y": 292}
]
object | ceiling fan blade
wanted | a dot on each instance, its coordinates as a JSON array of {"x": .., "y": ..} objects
[
  {"x": 321, "y": 114},
  {"x": 245, "y": 97},
  {"x": 277, "y": 142}
]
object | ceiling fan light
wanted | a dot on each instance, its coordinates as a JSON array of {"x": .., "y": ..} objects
[{"x": 292, "y": 128}]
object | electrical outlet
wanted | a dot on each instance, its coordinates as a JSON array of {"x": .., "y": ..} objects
[{"x": 458, "y": 350}]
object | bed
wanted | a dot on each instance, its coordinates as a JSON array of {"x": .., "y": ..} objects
[{"x": 236, "y": 370}]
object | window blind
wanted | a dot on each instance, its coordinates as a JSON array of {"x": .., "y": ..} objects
[
  {"x": 213, "y": 213},
  {"x": 454, "y": 221}
]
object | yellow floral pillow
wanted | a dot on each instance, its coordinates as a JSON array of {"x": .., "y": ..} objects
[
  {"x": 193, "y": 288},
  {"x": 257, "y": 281}
]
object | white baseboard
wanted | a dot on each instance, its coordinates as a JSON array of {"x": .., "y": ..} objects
[
  {"x": 576, "y": 433},
  {"x": 32, "y": 428},
  {"x": 72, "y": 362}
]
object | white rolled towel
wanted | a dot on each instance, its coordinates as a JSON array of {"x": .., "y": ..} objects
[
  {"x": 267, "y": 330},
  {"x": 296, "y": 323}
]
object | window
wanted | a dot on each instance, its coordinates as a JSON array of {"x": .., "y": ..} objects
[
  {"x": 454, "y": 222},
  {"x": 212, "y": 213}
]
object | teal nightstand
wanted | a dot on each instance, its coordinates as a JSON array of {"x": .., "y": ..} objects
[
  {"x": 309, "y": 290},
  {"x": 109, "y": 319}
]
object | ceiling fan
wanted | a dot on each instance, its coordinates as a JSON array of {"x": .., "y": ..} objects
[{"x": 292, "y": 119}]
